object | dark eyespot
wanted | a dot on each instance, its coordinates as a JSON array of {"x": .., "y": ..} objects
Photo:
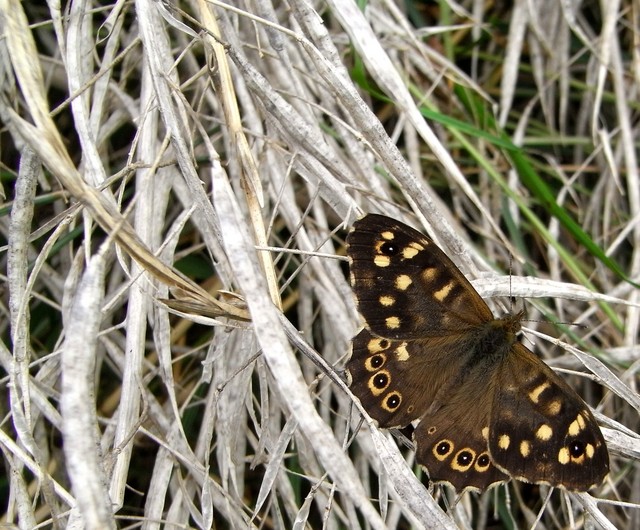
[
  {"x": 443, "y": 448},
  {"x": 389, "y": 249},
  {"x": 483, "y": 460},
  {"x": 384, "y": 344},
  {"x": 393, "y": 401},
  {"x": 464, "y": 458},
  {"x": 377, "y": 361},
  {"x": 381, "y": 380},
  {"x": 576, "y": 448}
]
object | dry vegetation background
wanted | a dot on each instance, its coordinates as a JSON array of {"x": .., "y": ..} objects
[{"x": 179, "y": 177}]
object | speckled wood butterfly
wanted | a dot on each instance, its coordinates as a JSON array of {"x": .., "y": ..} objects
[{"x": 432, "y": 351}]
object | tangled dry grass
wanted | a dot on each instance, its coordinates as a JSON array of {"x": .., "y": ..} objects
[{"x": 179, "y": 178}]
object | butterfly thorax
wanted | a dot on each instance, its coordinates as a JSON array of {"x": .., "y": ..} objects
[{"x": 495, "y": 338}]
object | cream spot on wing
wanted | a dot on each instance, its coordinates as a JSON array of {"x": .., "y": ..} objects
[
  {"x": 554, "y": 407},
  {"x": 534, "y": 395},
  {"x": 401, "y": 352},
  {"x": 581, "y": 421},
  {"x": 504, "y": 442},
  {"x": 403, "y": 282},
  {"x": 525, "y": 448},
  {"x": 382, "y": 261},
  {"x": 388, "y": 235},
  {"x": 386, "y": 300},
  {"x": 590, "y": 450},
  {"x": 428, "y": 275},
  {"x": 485, "y": 433},
  {"x": 392, "y": 322},
  {"x": 377, "y": 345},
  {"x": 563, "y": 456},
  {"x": 544, "y": 432},
  {"x": 442, "y": 293},
  {"x": 411, "y": 250},
  {"x": 576, "y": 426}
]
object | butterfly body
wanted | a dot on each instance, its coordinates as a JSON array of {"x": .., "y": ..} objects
[{"x": 431, "y": 352}]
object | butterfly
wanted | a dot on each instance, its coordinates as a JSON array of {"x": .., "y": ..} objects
[{"x": 432, "y": 354}]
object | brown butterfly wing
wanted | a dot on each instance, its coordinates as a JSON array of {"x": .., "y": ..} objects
[
  {"x": 452, "y": 439},
  {"x": 536, "y": 429},
  {"x": 400, "y": 381},
  {"x": 406, "y": 287},
  {"x": 541, "y": 431}
]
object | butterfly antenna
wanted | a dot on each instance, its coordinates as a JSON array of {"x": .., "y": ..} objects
[{"x": 510, "y": 282}]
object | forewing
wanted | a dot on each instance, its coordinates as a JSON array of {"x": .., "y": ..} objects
[{"x": 406, "y": 287}]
